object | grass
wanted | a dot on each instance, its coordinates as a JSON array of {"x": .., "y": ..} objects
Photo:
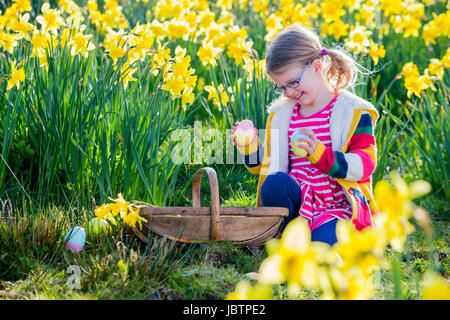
[
  {"x": 212, "y": 271},
  {"x": 415, "y": 261},
  {"x": 73, "y": 136},
  {"x": 37, "y": 267}
]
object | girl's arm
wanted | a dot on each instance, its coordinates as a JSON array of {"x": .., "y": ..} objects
[
  {"x": 358, "y": 163},
  {"x": 253, "y": 154}
]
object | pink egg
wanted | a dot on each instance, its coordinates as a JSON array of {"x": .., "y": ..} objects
[
  {"x": 245, "y": 132},
  {"x": 245, "y": 125}
]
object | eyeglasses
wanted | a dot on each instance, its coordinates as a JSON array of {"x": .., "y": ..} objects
[{"x": 293, "y": 84}]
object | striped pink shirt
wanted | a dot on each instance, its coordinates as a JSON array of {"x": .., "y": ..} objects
[{"x": 323, "y": 199}]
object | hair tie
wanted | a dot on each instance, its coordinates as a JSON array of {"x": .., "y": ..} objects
[{"x": 324, "y": 52}]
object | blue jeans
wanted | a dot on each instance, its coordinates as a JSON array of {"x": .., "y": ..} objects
[{"x": 281, "y": 190}]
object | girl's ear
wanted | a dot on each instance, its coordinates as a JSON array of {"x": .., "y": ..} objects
[{"x": 317, "y": 65}]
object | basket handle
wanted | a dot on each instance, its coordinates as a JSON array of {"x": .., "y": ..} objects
[{"x": 214, "y": 186}]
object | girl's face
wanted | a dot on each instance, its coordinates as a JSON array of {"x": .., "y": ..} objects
[{"x": 310, "y": 84}]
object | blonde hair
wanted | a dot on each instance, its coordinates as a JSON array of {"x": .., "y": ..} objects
[{"x": 298, "y": 44}]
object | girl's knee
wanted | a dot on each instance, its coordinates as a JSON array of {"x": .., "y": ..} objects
[
  {"x": 273, "y": 184},
  {"x": 277, "y": 179},
  {"x": 278, "y": 187}
]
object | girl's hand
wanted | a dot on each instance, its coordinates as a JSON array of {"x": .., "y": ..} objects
[
  {"x": 253, "y": 132},
  {"x": 312, "y": 142}
]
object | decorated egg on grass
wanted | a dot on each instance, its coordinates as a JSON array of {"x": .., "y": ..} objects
[
  {"x": 299, "y": 152},
  {"x": 75, "y": 239},
  {"x": 245, "y": 132},
  {"x": 252, "y": 276},
  {"x": 97, "y": 226}
]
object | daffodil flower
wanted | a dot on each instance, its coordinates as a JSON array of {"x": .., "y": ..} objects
[
  {"x": 22, "y": 27},
  {"x": 81, "y": 45},
  {"x": 436, "y": 68},
  {"x": 133, "y": 217},
  {"x": 239, "y": 49},
  {"x": 102, "y": 211},
  {"x": 214, "y": 95},
  {"x": 396, "y": 205},
  {"x": 8, "y": 41},
  {"x": 435, "y": 287},
  {"x": 127, "y": 211},
  {"x": 358, "y": 40},
  {"x": 39, "y": 42},
  {"x": 16, "y": 77},
  {"x": 22, "y": 5},
  {"x": 116, "y": 53},
  {"x": 415, "y": 85},
  {"x": 187, "y": 97},
  {"x": 50, "y": 19},
  {"x": 245, "y": 291},
  {"x": 446, "y": 59},
  {"x": 294, "y": 258},
  {"x": 207, "y": 53},
  {"x": 119, "y": 206},
  {"x": 376, "y": 52},
  {"x": 126, "y": 74}
]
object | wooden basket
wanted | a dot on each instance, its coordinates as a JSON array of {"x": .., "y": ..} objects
[{"x": 246, "y": 226}]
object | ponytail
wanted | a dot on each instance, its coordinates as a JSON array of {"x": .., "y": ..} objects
[{"x": 341, "y": 69}]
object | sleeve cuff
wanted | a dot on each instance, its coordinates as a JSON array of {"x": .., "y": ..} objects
[{"x": 317, "y": 154}]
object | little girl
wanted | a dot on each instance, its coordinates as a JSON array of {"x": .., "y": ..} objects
[{"x": 334, "y": 180}]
